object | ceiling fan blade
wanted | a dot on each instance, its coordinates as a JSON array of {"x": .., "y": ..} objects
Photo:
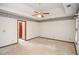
[
  {"x": 45, "y": 13},
  {"x": 42, "y": 16},
  {"x": 36, "y": 12},
  {"x": 34, "y": 15}
]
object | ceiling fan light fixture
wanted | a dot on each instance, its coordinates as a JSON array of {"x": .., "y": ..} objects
[
  {"x": 39, "y": 16},
  {"x": 39, "y": 13}
]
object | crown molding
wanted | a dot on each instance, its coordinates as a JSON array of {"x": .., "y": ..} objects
[
  {"x": 9, "y": 14},
  {"x": 58, "y": 18}
]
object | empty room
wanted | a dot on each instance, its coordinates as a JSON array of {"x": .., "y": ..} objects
[{"x": 39, "y": 28}]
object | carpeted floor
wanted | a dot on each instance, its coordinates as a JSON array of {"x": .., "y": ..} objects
[{"x": 39, "y": 46}]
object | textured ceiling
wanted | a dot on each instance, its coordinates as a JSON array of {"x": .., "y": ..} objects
[
  {"x": 26, "y": 9},
  {"x": 44, "y": 6}
]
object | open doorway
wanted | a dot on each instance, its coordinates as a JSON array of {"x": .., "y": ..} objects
[{"x": 21, "y": 29}]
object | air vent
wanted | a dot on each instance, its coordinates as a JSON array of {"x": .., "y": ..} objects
[{"x": 69, "y": 5}]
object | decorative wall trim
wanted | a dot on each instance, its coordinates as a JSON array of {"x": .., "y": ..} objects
[
  {"x": 49, "y": 39},
  {"x": 32, "y": 38},
  {"x": 9, "y": 14},
  {"x": 9, "y": 45},
  {"x": 56, "y": 39},
  {"x": 58, "y": 19},
  {"x": 75, "y": 49}
]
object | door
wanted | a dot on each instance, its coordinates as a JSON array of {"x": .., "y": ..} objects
[{"x": 21, "y": 29}]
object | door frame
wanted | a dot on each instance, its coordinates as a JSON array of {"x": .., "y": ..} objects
[{"x": 17, "y": 29}]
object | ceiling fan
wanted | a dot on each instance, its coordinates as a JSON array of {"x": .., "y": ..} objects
[{"x": 40, "y": 13}]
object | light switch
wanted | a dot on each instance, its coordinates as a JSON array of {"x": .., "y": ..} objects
[{"x": 3, "y": 30}]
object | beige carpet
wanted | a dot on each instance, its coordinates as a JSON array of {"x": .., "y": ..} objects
[{"x": 39, "y": 46}]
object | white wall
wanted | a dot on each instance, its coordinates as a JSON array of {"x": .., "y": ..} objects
[
  {"x": 8, "y": 31},
  {"x": 78, "y": 37},
  {"x": 61, "y": 30},
  {"x": 32, "y": 29}
]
